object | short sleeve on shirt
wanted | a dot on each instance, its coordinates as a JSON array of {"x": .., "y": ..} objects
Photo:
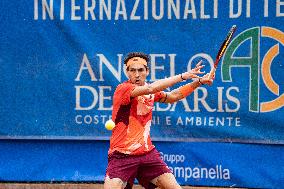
[{"x": 123, "y": 92}]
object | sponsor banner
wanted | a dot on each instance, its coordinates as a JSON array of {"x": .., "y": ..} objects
[
  {"x": 224, "y": 164},
  {"x": 61, "y": 61},
  {"x": 192, "y": 163}
]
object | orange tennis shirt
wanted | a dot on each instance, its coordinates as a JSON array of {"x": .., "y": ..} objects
[{"x": 132, "y": 117}]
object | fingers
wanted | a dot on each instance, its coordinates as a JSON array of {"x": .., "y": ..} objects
[
  {"x": 198, "y": 67},
  {"x": 206, "y": 80},
  {"x": 210, "y": 82},
  {"x": 206, "y": 75},
  {"x": 199, "y": 72},
  {"x": 213, "y": 77},
  {"x": 199, "y": 63}
]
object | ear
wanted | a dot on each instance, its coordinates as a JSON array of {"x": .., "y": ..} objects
[
  {"x": 147, "y": 71},
  {"x": 127, "y": 74}
]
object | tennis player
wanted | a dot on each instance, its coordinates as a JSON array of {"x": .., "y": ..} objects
[{"x": 131, "y": 154}]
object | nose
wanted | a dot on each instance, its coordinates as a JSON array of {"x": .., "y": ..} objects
[{"x": 136, "y": 73}]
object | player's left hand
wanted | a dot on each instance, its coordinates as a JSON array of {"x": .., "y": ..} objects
[{"x": 193, "y": 73}]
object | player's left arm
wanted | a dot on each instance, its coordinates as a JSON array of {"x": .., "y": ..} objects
[{"x": 185, "y": 90}]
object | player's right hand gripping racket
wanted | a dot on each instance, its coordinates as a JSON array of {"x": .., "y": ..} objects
[{"x": 222, "y": 50}]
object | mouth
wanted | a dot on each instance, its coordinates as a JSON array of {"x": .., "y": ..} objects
[{"x": 137, "y": 81}]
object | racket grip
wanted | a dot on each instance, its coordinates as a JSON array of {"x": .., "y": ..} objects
[{"x": 212, "y": 72}]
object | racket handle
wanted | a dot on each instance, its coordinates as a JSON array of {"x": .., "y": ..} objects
[{"x": 212, "y": 72}]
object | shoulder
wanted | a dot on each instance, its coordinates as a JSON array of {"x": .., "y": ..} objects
[
  {"x": 125, "y": 85},
  {"x": 122, "y": 93},
  {"x": 123, "y": 88}
]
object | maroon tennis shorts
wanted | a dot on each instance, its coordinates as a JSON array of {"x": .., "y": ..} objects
[{"x": 144, "y": 167}]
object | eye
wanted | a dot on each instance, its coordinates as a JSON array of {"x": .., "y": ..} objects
[{"x": 139, "y": 70}]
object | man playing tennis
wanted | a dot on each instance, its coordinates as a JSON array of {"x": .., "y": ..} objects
[{"x": 131, "y": 154}]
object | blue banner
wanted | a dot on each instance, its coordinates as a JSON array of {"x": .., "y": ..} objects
[
  {"x": 61, "y": 61},
  {"x": 195, "y": 164}
]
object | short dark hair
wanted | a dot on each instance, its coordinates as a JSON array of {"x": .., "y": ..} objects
[{"x": 136, "y": 54}]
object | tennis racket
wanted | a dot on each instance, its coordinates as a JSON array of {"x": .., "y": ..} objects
[{"x": 222, "y": 50}]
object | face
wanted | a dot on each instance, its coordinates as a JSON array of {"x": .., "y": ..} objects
[{"x": 137, "y": 71}]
